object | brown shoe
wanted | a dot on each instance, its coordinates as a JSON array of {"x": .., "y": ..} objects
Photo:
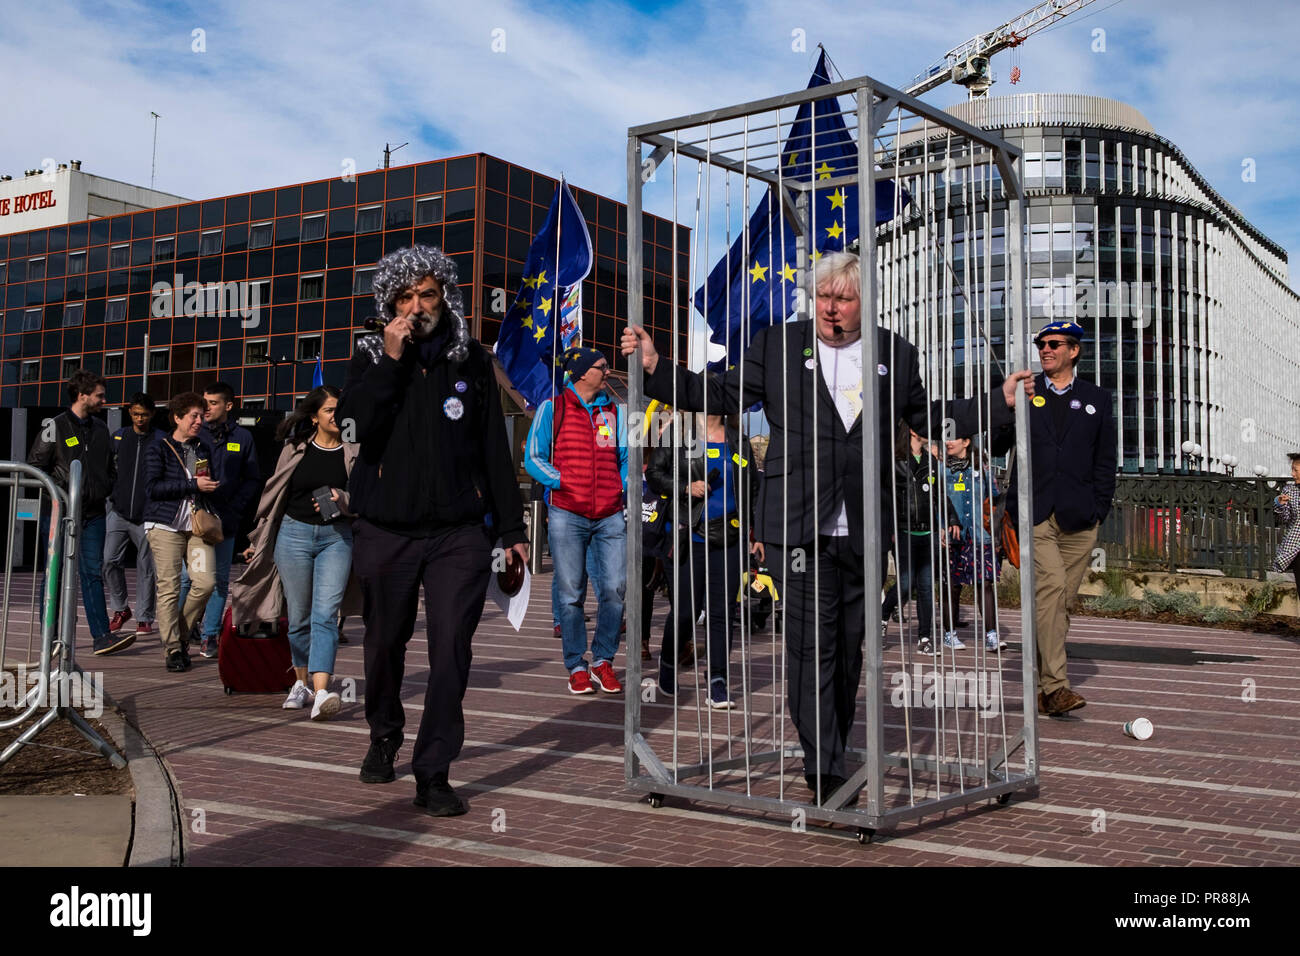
[
  {"x": 1042, "y": 702},
  {"x": 1062, "y": 701}
]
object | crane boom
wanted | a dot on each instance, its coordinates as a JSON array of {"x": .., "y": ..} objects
[{"x": 967, "y": 63}]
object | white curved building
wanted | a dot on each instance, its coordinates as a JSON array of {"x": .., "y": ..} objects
[{"x": 1190, "y": 318}]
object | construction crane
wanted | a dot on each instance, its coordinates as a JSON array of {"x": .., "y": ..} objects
[{"x": 968, "y": 63}]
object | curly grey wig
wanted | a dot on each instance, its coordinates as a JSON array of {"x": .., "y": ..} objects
[{"x": 402, "y": 269}]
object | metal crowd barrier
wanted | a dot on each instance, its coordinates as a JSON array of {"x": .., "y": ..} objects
[
  {"x": 59, "y": 681},
  {"x": 958, "y": 219}
]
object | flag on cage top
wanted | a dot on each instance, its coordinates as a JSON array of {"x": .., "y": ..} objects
[
  {"x": 744, "y": 293},
  {"x": 549, "y": 301}
]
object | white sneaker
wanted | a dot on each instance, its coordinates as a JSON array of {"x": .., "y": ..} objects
[
  {"x": 326, "y": 706},
  {"x": 953, "y": 641},
  {"x": 299, "y": 696},
  {"x": 993, "y": 643}
]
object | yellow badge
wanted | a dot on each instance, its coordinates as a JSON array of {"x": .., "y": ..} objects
[
  {"x": 117, "y": 437},
  {"x": 714, "y": 453},
  {"x": 604, "y": 430},
  {"x": 735, "y": 522},
  {"x": 742, "y": 462},
  {"x": 71, "y": 442},
  {"x": 232, "y": 446},
  {"x": 653, "y": 517},
  {"x": 960, "y": 486},
  {"x": 1039, "y": 401}
]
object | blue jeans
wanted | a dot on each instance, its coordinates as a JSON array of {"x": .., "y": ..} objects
[
  {"x": 913, "y": 563},
  {"x": 572, "y": 538},
  {"x": 225, "y": 553},
  {"x": 90, "y": 571},
  {"x": 314, "y": 563}
]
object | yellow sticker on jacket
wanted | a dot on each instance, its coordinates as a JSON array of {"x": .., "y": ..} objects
[
  {"x": 960, "y": 486},
  {"x": 232, "y": 446},
  {"x": 715, "y": 453},
  {"x": 742, "y": 462},
  {"x": 604, "y": 430},
  {"x": 735, "y": 522},
  {"x": 1039, "y": 401},
  {"x": 117, "y": 437},
  {"x": 72, "y": 442}
]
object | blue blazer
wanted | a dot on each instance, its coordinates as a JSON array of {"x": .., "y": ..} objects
[{"x": 1074, "y": 472}]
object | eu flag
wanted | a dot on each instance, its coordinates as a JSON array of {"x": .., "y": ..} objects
[
  {"x": 746, "y": 294},
  {"x": 559, "y": 258}
]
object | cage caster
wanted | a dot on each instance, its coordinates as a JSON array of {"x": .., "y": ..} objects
[
  {"x": 655, "y": 800},
  {"x": 229, "y": 691},
  {"x": 1004, "y": 799},
  {"x": 865, "y": 834}
]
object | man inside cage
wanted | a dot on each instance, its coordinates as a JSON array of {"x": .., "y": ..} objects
[
  {"x": 817, "y": 543},
  {"x": 1073, "y": 455},
  {"x": 433, "y": 468}
]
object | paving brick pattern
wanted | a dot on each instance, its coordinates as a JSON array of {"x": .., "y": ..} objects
[{"x": 544, "y": 771}]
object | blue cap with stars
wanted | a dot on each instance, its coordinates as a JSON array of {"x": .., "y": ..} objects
[{"x": 1072, "y": 329}]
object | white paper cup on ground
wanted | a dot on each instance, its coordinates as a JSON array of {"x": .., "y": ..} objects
[{"x": 1140, "y": 729}]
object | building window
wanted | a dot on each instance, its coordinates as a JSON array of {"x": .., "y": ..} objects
[
  {"x": 35, "y": 269},
  {"x": 76, "y": 264},
  {"x": 32, "y": 320},
  {"x": 158, "y": 360},
  {"x": 369, "y": 219},
  {"x": 308, "y": 347},
  {"x": 72, "y": 313},
  {"x": 428, "y": 210},
  {"x": 210, "y": 243},
  {"x": 113, "y": 363},
  {"x": 3, "y": 270},
  {"x": 259, "y": 235},
  {"x": 164, "y": 250},
  {"x": 205, "y": 356},
  {"x": 311, "y": 287},
  {"x": 70, "y": 364},
  {"x": 259, "y": 292},
  {"x": 253, "y": 404},
  {"x": 255, "y": 353},
  {"x": 115, "y": 311},
  {"x": 31, "y": 371},
  {"x": 364, "y": 282},
  {"x": 119, "y": 257},
  {"x": 313, "y": 227}
]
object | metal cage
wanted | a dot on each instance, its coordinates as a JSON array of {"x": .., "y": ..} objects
[{"x": 918, "y": 278}]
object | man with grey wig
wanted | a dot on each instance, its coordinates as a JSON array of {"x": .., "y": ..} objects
[{"x": 434, "y": 468}]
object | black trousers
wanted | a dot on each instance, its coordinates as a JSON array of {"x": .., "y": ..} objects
[
  {"x": 454, "y": 566},
  {"x": 824, "y": 651},
  {"x": 719, "y": 597}
]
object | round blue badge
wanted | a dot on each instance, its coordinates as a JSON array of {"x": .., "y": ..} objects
[
  {"x": 1075, "y": 403},
  {"x": 461, "y": 386},
  {"x": 881, "y": 370},
  {"x": 453, "y": 408}
]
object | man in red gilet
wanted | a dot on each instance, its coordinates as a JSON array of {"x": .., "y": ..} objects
[{"x": 577, "y": 449}]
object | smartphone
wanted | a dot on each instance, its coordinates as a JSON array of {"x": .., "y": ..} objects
[
  {"x": 201, "y": 468},
  {"x": 328, "y": 509}
]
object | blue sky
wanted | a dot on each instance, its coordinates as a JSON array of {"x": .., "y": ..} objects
[{"x": 286, "y": 92}]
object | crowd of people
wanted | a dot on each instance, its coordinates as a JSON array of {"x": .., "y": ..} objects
[{"x": 423, "y": 493}]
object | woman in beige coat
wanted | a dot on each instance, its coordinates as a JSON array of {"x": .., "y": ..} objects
[{"x": 299, "y": 558}]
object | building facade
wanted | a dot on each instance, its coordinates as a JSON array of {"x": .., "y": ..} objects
[
  {"x": 1186, "y": 305},
  {"x": 60, "y": 193},
  {"x": 251, "y": 288}
]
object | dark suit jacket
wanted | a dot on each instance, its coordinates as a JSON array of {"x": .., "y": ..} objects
[
  {"x": 776, "y": 373},
  {"x": 1074, "y": 472}
]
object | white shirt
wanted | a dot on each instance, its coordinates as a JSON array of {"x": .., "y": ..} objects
[{"x": 842, "y": 369}]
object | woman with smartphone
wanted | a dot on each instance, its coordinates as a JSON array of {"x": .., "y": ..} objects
[
  {"x": 175, "y": 471},
  {"x": 300, "y": 550}
]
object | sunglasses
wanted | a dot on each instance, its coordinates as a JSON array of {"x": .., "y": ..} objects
[{"x": 1053, "y": 345}]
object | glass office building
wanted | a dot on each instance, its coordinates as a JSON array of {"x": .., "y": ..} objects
[
  {"x": 283, "y": 275},
  {"x": 1186, "y": 305}
]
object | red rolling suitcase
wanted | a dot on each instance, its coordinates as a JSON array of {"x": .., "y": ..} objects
[{"x": 253, "y": 660}]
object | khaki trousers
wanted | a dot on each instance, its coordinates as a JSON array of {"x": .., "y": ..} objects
[
  {"x": 171, "y": 549},
  {"x": 1060, "y": 559}
]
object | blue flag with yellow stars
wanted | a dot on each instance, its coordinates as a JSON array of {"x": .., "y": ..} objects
[
  {"x": 559, "y": 258},
  {"x": 820, "y": 146}
]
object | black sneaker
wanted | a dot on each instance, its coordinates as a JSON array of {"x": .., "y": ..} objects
[
  {"x": 438, "y": 799},
  {"x": 378, "y": 765},
  {"x": 113, "y": 643},
  {"x": 177, "y": 663},
  {"x": 196, "y": 634}
]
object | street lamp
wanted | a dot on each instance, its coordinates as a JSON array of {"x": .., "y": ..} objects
[
  {"x": 1230, "y": 463},
  {"x": 275, "y": 364},
  {"x": 1192, "y": 452},
  {"x": 1261, "y": 471}
]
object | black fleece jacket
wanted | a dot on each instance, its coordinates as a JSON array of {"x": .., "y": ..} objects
[{"x": 434, "y": 452}]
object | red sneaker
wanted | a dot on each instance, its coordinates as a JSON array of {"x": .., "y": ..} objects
[
  {"x": 119, "y": 619},
  {"x": 580, "y": 683},
  {"x": 603, "y": 677},
  {"x": 145, "y": 629}
]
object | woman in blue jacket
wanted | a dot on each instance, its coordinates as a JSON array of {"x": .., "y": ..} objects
[
  {"x": 972, "y": 556},
  {"x": 176, "y": 471}
]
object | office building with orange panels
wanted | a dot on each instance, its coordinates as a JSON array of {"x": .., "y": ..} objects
[{"x": 251, "y": 288}]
